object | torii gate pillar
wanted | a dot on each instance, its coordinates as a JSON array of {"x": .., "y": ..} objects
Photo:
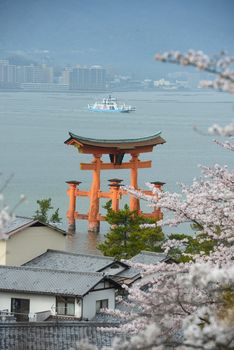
[
  {"x": 71, "y": 192},
  {"x": 134, "y": 202},
  {"x": 94, "y": 223}
]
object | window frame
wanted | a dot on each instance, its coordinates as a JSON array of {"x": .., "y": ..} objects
[
  {"x": 17, "y": 304},
  {"x": 102, "y": 304},
  {"x": 66, "y": 301}
]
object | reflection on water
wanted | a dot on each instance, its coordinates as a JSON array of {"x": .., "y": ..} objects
[{"x": 83, "y": 242}]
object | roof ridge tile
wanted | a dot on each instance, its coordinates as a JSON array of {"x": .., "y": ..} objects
[{"x": 38, "y": 269}]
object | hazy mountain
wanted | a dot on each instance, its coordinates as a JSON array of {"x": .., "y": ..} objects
[
  {"x": 122, "y": 34},
  {"x": 20, "y": 60}
]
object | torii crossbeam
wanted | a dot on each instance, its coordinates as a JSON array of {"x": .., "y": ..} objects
[{"x": 116, "y": 149}]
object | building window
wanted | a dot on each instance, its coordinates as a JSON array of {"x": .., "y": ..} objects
[
  {"x": 101, "y": 304},
  {"x": 65, "y": 306},
  {"x": 20, "y": 308}
]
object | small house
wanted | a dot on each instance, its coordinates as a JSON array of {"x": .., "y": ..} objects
[
  {"x": 35, "y": 294},
  {"x": 27, "y": 238}
]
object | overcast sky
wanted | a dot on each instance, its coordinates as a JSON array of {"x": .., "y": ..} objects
[{"x": 122, "y": 34}]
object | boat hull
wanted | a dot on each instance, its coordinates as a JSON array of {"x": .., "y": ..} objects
[{"x": 110, "y": 110}]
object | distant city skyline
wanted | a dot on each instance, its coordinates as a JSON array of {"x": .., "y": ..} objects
[
  {"x": 43, "y": 77},
  {"x": 121, "y": 35}
]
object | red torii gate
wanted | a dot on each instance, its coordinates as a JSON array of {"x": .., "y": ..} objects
[{"x": 116, "y": 149}]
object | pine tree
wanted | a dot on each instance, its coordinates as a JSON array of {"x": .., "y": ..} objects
[
  {"x": 128, "y": 235},
  {"x": 42, "y": 213}
]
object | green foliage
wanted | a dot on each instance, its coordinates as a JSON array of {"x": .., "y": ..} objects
[
  {"x": 55, "y": 217},
  {"x": 196, "y": 244},
  {"x": 42, "y": 213},
  {"x": 126, "y": 238}
]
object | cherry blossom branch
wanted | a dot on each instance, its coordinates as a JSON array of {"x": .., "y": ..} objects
[
  {"x": 6, "y": 215},
  {"x": 218, "y": 65}
]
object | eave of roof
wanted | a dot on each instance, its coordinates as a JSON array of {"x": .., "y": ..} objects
[
  {"x": 13, "y": 228},
  {"x": 34, "y": 280},
  {"x": 57, "y": 256},
  {"x": 152, "y": 140}
]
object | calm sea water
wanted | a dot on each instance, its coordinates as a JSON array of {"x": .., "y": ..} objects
[{"x": 34, "y": 126}]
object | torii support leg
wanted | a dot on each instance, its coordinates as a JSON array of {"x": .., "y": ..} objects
[
  {"x": 72, "y": 205},
  {"x": 114, "y": 189},
  {"x": 94, "y": 223},
  {"x": 134, "y": 202},
  {"x": 157, "y": 213}
]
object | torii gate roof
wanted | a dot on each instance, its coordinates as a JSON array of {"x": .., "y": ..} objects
[{"x": 89, "y": 145}]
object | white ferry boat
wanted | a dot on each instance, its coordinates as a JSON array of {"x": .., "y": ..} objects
[{"x": 110, "y": 104}]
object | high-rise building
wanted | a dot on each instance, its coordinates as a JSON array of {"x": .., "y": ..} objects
[
  {"x": 7, "y": 72},
  {"x": 98, "y": 77},
  {"x": 43, "y": 74},
  {"x": 34, "y": 74},
  {"x": 7, "y": 75},
  {"x": 3, "y": 68},
  {"x": 84, "y": 78},
  {"x": 65, "y": 77}
]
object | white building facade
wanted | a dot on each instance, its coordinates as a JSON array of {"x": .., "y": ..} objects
[{"x": 35, "y": 294}]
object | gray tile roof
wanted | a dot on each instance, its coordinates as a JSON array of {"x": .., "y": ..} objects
[
  {"x": 42, "y": 281},
  {"x": 19, "y": 223},
  {"x": 148, "y": 258},
  {"x": 132, "y": 272},
  {"x": 144, "y": 257},
  {"x": 60, "y": 260}
]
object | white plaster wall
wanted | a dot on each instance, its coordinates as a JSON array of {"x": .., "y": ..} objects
[
  {"x": 78, "y": 308},
  {"x": 103, "y": 285},
  {"x": 2, "y": 252},
  {"x": 38, "y": 303},
  {"x": 89, "y": 301},
  {"x": 31, "y": 242}
]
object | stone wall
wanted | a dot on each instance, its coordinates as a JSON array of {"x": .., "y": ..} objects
[{"x": 52, "y": 335}]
